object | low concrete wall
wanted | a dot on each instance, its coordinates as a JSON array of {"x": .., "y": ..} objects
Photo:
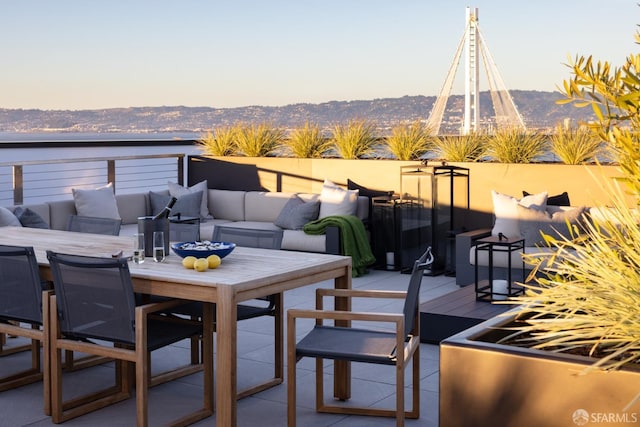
[{"x": 583, "y": 183}]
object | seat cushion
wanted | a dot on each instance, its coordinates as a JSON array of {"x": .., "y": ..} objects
[{"x": 360, "y": 345}]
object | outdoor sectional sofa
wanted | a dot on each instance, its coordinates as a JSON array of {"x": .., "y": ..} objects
[
  {"x": 529, "y": 218},
  {"x": 245, "y": 209}
]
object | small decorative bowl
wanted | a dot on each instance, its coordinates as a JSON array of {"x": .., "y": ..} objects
[{"x": 203, "y": 249}]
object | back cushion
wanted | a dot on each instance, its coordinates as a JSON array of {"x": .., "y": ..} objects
[
  {"x": 132, "y": 206},
  {"x": 264, "y": 206},
  {"x": 59, "y": 213},
  {"x": 226, "y": 204}
]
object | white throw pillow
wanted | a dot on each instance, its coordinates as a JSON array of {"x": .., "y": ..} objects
[
  {"x": 177, "y": 190},
  {"x": 100, "y": 203},
  {"x": 336, "y": 200},
  {"x": 505, "y": 209},
  {"x": 8, "y": 219}
]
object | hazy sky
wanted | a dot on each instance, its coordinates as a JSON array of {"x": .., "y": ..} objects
[{"x": 77, "y": 54}]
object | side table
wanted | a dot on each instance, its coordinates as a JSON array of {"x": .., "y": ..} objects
[
  {"x": 498, "y": 289},
  {"x": 184, "y": 228}
]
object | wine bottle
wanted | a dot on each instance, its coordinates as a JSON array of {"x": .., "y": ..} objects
[{"x": 166, "y": 211}]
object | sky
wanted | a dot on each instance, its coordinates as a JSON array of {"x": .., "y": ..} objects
[{"x": 80, "y": 54}]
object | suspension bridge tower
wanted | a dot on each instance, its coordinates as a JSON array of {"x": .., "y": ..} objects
[{"x": 506, "y": 113}]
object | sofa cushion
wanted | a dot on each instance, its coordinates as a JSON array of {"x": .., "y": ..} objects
[
  {"x": 559, "y": 224},
  {"x": 99, "y": 202},
  {"x": 264, "y": 205},
  {"x": 226, "y": 204},
  {"x": 298, "y": 240},
  {"x": 296, "y": 213},
  {"x": 186, "y": 205},
  {"x": 59, "y": 212},
  {"x": 8, "y": 219},
  {"x": 29, "y": 218},
  {"x": 335, "y": 200},
  {"x": 557, "y": 200},
  {"x": 506, "y": 212},
  {"x": 133, "y": 206},
  {"x": 177, "y": 190}
]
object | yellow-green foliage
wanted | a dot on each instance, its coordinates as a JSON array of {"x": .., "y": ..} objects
[
  {"x": 308, "y": 142},
  {"x": 258, "y": 140},
  {"x": 354, "y": 140},
  {"x": 575, "y": 145},
  {"x": 514, "y": 145},
  {"x": 587, "y": 294},
  {"x": 408, "y": 141},
  {"x": 460, "y": 148},
  {"x": 220, "y": 143}
]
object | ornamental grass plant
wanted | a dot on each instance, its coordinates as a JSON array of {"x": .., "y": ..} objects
[
  {"x": 460, "y": 148},
  {"x": 308, "y": 142},
  {"x": 576, "y": 145},
  {"x": 354, "y": 140},
  {"x": 586, "y": 296},
  {"x": 258, "y": 140},
  {"x": 515, "y": 145},
  {"x": 409, "y": 141},
  {"x": 221, "y": 142}
]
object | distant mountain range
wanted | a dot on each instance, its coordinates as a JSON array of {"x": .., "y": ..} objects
[{"x": 538, "y": 109}]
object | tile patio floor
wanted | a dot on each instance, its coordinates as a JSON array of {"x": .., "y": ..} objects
[{"x": 371, "y": 384}]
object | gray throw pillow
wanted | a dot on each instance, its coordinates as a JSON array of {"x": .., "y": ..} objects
[
  {"x": 296, "y": 213},
  {"x": 186, "y": 205},
  {"x": 534, "y": 222},
  {"x": 29, "y": 218},
  {"x": 100, "y": 203},
  {"x": 8, "y": 219}
]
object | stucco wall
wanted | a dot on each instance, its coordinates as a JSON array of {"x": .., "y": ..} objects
[{"x": 583, "y": 183}]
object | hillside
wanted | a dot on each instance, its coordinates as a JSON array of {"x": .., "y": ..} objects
[{"x": 538, "y": 110}]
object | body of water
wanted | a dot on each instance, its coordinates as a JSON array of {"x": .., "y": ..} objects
[{"x": 13, "y": 153}]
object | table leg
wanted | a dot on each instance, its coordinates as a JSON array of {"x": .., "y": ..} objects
[
  {"x": 226, "y": 361},
  {"x": 207, "y": 355},
  {"x": 342, "y": 369}
]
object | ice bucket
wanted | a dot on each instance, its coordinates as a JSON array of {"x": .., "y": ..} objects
[{"x": 147, "y": 225}]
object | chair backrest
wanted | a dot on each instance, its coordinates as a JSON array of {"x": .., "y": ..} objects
[
  {"x": 94, "y": 296},
  {"x": 411, "y": 303},
  {"x": 95, "y": 225},
  {"x": 20, "y": 285},
  {"x": 184, "y": 232},
  {"x": 253, "y": 238}
]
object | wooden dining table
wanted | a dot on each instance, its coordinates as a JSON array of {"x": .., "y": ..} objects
[{"x": 245, "y": 274}]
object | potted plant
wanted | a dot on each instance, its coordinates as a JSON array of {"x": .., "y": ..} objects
[{"x": 568, "y": 355}]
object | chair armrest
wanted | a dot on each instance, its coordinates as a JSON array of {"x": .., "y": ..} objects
[
  {"x": 332, "y": 240},
  {"x": 355, "y": 293},
  {"x": 465, "y": 273},
  {"x": 345, "y": 315},
  {"x": 360, "y": 293}
]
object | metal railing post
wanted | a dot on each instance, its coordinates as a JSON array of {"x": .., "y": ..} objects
[
  {"x": 18, "y": 185},
  {"x": 111, "y": 173},
  {"x": 180, "y": 159}
]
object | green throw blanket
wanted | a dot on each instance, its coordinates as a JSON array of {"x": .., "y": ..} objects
[{"x": 353, "y": 239}]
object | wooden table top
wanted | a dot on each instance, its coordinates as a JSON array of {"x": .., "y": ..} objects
[{"x": 245, "y": 269}]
